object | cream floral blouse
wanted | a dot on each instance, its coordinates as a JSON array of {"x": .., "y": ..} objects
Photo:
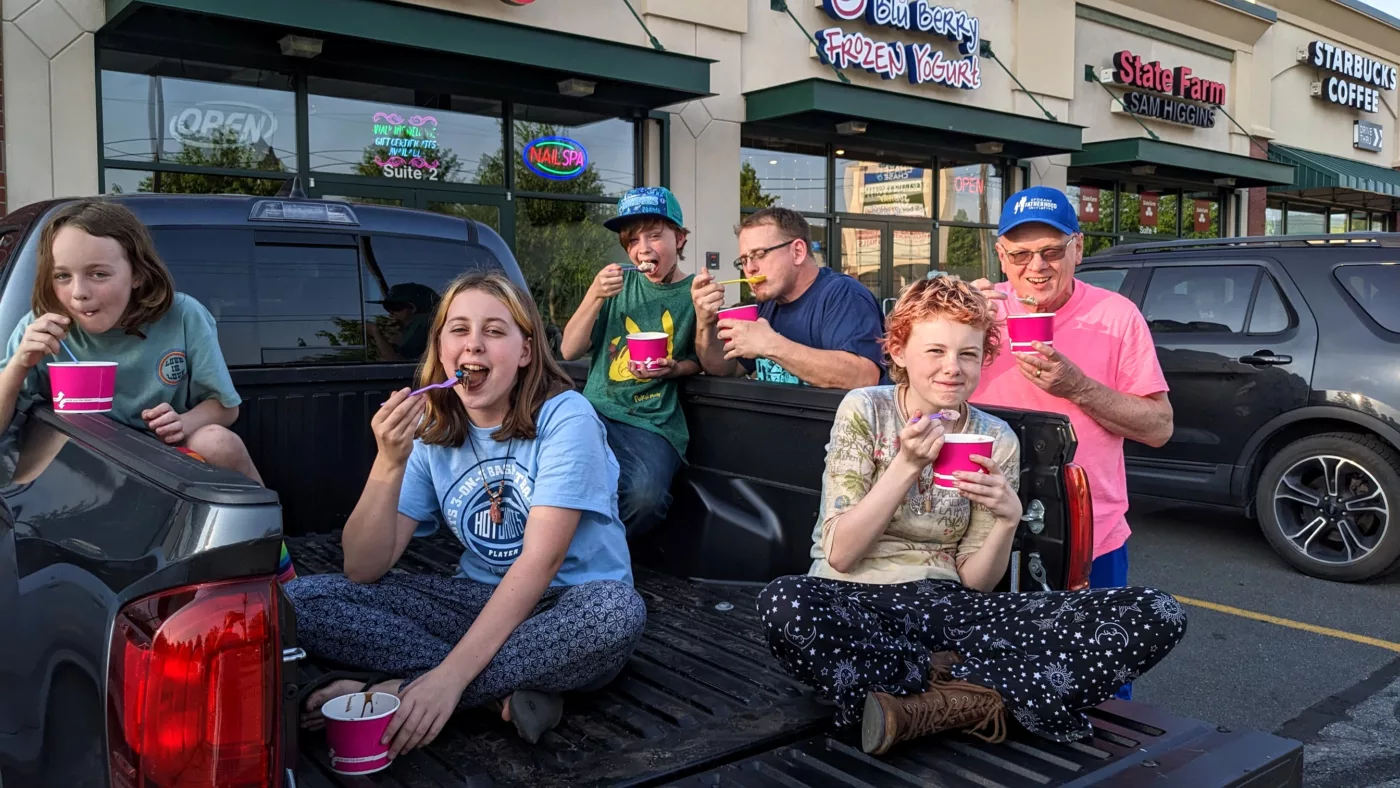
[{"x": 930, "y": 530}]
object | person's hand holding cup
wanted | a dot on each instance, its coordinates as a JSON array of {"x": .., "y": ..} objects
[
  {"x": 988, "y": 487},
  {"x": 708, "y": 297},
  {"x": 920, "y": 442}
]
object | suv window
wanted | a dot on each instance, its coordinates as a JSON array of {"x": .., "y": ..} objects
[
  {"x": 1376, "y": 289},
  {"x": 1196, "y": 299},
  {"x": 1107, "y": 278},
  {"x": 1271, "y": 313},
  {"x": 274, "y": 303},
  {"x": 403, "y": 280}
]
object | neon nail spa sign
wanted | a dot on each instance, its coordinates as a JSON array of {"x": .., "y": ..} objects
[
  {"x": 556, "y": 158},
  {"x": 410, "y": 146},
  {"x": 921, "y": 63}
]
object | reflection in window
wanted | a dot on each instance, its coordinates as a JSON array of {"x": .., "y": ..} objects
[
  {"x": 383, "y": 132},
  {"x": 1107, "y": 278},
  {"x": 861, "y": 252},
  {"x": 969, "y": 252},
  {"x": 560, "y": 247},
  {"x": 245, "y": 123},
  {"x": 971, "y": 193},
  {"x": 771, "y": 178},
  {"x": 880, "y": 189},
  {"x": 1273, "y": 220},
  {"x": 912, "y": 262},
  {"x": 1201, "y": 216},
  {"x": 1376, "y": 289},
  {"x": 1337, "y": 222},
  {"x": 1096, "y": 206},
  {"x": 1271, "y": 314},
  {"x": 1093, "y": 244},
  {"x": 1302, "y": 221},
  {"x": 1148, "y": 212},
  {"x": 1199, "y": 298},
  {"x": 146, "y": 181},
  {"x": 608, "y": 144}
]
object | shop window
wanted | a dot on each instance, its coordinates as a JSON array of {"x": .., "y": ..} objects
[
  {"x": 970, "y": 193},
  {"x": 782, "y": 178},
  {"x": 597, "y": 156},
  {"x": 1337, "y": 222},
  {"x": 1096, "y": 204},
  {"x": 1376, "y": 289},
  {"x": 1202, "y": 299},
  {"x": 207, "y": 116},
  {"x": 911, "y": 250},
  {"x": 1093, "y": 244},
  {"x": 1273, "y": 220},
  {"x": 1360, "y": 221},
  {"x": 1304, "y": 221},
  {"x": 275, "y": 304},
  {"x": 1378, "y": 223},
  {"x": 148, "y": 182},
  {"x": 1271, "y": 313},
  {"x": 1200, "y": 216},
  {"x": 884, "y": 189},
  {"x": 1107, "y": 278},
  {"x": 398, "y": 134},
  {"x": 560, "y": 247},
  {"x": 404, "y": 279},
  {"x": 1148, "y": 212},
  {"x": 969, "y": 252}
]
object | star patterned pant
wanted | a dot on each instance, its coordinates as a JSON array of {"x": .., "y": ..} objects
[
  {"x": 1049, "y": 654},
  {"x": 404, "y": 625}
]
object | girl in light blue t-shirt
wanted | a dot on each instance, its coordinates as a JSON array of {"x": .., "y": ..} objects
[{"x": 516, "y": 464}]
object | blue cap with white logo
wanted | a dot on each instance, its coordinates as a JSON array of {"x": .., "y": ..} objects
[
  {"x": 1040, "y": 205},
  {"x": 646, "y": 201}
]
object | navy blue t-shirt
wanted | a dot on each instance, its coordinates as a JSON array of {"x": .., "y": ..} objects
[{"x": 836, "y": 313}]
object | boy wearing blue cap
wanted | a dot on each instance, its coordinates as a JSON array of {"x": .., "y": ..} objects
[{"x": 638, "y": 399}]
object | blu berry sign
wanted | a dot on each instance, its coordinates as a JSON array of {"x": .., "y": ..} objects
[
  {"x": 556, "y": 158},
  {"x": 920, "y": 62}
]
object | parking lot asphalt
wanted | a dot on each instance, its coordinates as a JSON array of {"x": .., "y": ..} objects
[{"x": 1336, "y": 690}]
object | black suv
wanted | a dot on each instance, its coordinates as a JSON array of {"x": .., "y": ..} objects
[{"x": 1283, "y": 358}]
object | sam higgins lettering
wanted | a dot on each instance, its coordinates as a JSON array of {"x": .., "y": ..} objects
[{"x": 1133, "y": 71}]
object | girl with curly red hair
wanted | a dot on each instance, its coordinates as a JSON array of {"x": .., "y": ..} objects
[{"x": 896, "y": 622}]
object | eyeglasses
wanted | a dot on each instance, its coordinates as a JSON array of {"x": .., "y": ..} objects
[
  {"x": 742, "y": 260},
  {"x": 1049, "y": 254}
]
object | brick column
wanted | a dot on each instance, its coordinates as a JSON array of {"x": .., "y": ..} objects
[{"x": 1258, "y": 197}]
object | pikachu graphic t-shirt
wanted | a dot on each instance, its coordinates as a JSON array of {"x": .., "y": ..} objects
[{"x": 612, "y": 388}]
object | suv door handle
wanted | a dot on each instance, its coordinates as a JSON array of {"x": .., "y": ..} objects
[{"x": 1266, "y": 359}]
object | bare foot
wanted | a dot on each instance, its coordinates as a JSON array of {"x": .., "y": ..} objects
[
  {"x": 311, "y": 718},
  {"x": 505, "y": 708}
]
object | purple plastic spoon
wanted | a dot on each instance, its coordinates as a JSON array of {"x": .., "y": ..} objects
[{"x": 446, "y": 384}]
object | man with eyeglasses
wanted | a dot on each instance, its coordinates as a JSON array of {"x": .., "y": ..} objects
[
  {"x": 1101, "y": 371},
  {"x": 816, "y": 327}
]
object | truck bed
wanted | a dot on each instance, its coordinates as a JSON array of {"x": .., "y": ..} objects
[{"x": 702, "y": 703}]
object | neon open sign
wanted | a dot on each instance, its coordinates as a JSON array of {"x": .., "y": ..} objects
[{"x": 556, "y": 158}]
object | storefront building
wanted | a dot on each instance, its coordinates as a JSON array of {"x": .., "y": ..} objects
[
  {"x": 1332, "y": 103},
  {"x": 897, "y": 127}
]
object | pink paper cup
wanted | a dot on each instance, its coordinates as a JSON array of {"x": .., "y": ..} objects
[
  {"x": 353, "y": 739},
  {"x": 82, "y": 386},
  {"x": 1025, "y": 329},
  {"x": 956, "y": 455},
  {"x": 747, "y": 312},
  {"x": 647, "y": 348}
]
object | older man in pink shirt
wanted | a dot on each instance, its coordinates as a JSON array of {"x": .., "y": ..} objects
[{"x": 1102, "y": 371}]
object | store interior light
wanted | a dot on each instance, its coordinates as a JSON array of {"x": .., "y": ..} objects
[
  {"x": 577, "y": 88},
  {"x": 1145, "y": 169},
  {"x": 300, "y": 46},
  {"x": 840, "y": 151},
  {"x": 989, "y": 148},
  {"x": 1227, "y": 182},
  {"x": 852, "y": 127}
]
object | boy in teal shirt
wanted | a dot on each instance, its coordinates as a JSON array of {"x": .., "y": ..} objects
[{"x": 640, "y": 406}]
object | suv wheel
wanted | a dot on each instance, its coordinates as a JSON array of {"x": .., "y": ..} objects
[{"x": 1326, "y": 504}]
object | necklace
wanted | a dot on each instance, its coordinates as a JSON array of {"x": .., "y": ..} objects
[{"x": 497, "y": 516}]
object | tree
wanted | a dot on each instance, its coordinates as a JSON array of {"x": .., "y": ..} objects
[
  {"x": 751, "y": 193},
  {"x": 220, "y": 149}
]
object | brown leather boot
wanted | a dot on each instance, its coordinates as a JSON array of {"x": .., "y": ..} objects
[{"x": 945, "y": 706}]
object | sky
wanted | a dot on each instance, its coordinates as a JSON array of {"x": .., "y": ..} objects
[{"x": 1391, "y": 7}]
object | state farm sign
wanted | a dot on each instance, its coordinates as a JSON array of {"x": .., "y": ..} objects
[{"x": 1175, "y": 94}]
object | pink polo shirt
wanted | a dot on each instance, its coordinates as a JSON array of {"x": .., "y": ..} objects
[{"x": 1106, "y": 336}]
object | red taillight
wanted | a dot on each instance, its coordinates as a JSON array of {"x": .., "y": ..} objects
[
  {"x": 194, "y": 687},
  {"x": 1081, "y": 527}
]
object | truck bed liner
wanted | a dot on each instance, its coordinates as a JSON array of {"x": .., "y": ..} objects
[{"x": 702, "y": 703}]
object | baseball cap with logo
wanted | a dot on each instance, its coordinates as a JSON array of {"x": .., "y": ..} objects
[
  {"x": 1039, "y": 205},
  {"x": 646, "y": 201}
]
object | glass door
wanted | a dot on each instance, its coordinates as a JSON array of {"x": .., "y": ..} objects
[
  {"x": 886, "y": 256},
  {"x": 864, "y": 251}
]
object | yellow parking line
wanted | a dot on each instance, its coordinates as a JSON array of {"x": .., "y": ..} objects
[{"x": 1284, "y": 622}]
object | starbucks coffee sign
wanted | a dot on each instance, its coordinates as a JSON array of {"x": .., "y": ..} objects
[{"x": 1361, "y": 78}]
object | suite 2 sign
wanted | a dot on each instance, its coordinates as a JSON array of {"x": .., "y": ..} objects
[{"x": 921, "y": 63}]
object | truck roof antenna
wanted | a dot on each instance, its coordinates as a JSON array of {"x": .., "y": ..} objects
[{"x": 292, "y": 188}]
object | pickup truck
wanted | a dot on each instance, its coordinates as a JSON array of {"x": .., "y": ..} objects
[{"x": 147, "y": 643}]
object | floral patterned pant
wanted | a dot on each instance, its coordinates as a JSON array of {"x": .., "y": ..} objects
[
  {"x": 405, "y": 625},
  {"x": 1049, "y": 654}
]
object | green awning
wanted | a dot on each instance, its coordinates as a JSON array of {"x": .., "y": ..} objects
[
  {"x": 1154, "y": 160},
  {"x": 429, "y": 46},
  {"x": 814, "y": 107},
  {"x": 1321, "y": 175}
]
